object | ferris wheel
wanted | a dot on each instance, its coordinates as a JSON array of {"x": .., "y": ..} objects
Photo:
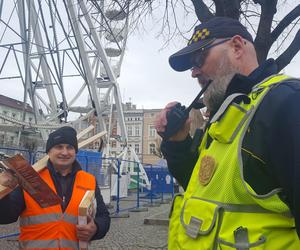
[{"x": 64, "y": 57}]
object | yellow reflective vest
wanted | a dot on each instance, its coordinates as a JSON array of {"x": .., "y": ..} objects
[{"x": 219, "y": 209}]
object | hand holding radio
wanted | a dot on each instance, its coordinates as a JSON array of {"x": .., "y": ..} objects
[{"x": 174, "y": 118}]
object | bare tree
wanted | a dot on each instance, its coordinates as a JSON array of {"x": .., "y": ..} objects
[{"x": 260, "y": 16}]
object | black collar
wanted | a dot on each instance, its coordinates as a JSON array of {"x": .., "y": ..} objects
[
  {"x": 76, "y": 167},
  {"x": 243, "y": 84}
]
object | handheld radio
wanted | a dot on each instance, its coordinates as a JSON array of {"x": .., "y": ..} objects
[{"x": 178, "y": 115}]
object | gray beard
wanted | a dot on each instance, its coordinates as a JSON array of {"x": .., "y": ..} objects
[{"x": 215, "y": 93}]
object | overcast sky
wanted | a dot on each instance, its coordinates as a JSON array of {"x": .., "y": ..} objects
[
  {"x": 146, "y": 77},
  {"x": 148, "y": 81}
]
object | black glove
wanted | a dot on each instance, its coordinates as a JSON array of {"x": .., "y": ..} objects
[{"x": 176, "y": 118}]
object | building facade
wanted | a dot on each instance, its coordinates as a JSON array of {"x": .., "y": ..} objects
[
  {"x": 10, "y": 134},
  {"x": 151, "y": 147},
  {"x": 134, "y": 125},
  {"x": 141, "y": 133}
]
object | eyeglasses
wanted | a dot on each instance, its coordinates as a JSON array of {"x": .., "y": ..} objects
[{"x": 199, "y": 58}]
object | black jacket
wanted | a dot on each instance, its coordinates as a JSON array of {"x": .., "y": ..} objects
[
  {"x": 270, "y": 149},
  {"x": 12, "y": 205}
]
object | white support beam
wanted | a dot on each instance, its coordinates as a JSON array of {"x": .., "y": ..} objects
[
  {"x": 91, "y": 81},
  {"x": 40, "y": 48},
  {"x": 108, "y": 69}
]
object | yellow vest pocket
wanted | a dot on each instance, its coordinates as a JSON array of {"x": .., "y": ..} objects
[
  {"x": 200, "y": 220},
  {"x": 225, "y": 129},
  {"x": 174, "y": 222}
]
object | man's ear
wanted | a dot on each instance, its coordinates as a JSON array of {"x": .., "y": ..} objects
[{"x": 238, "y": 45}]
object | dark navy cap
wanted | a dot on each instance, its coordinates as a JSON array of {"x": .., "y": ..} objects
[{"x": 204, "y": 34}]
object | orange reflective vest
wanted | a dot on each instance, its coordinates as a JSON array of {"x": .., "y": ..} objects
[{"x": 44, "y": 228}]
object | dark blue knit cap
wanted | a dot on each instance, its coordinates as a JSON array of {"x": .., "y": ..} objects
[
  {"x": 63, "y": 135},
  {"x": 204, "y": 34}
]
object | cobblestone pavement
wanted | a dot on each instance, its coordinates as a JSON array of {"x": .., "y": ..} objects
[{"x": 125, "y": 233}]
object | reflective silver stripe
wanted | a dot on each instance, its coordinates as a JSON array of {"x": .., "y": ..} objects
[
  {"x": 242, "y": 208},
  {"x": 40, "y": 244},
  {"x": 69, "y": 244},
  {"x": 241, "y": 124},
  {"x": 246, "y": 208},
  {"x": 38, "y": 219},
  {"x": 46, "y": 218},
  {"x": 46, "y": 244},
  {"x": 70, "y": 219},
  {"x": 224, "y": 106},
  {"x": 173, "y": 202},
  {"x": 259, "y": 87}
]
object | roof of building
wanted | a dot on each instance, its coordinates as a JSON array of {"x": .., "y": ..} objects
[
  {"x": 13, "y": 103},
  {"x": 151, "y": 110}
]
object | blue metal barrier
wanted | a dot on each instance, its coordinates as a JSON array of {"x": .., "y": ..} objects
[
  {"x": 161, "y": 181},
  {"x": 90, "y": 162},
  {"x": 162, "y": 188},
  {"x": 27, "y": 154}
]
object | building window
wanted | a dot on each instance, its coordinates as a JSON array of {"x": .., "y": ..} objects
[
  {"x": 137, "y": 130},
  {"x": 152, "y": 131},
  {"x": 2, "y": 139},
  {"x": 129, "y": 130},
  {"x": 4, "y": 113},
  {"x": 137, "y": 148},
  {"x": 152, "y": 148}
]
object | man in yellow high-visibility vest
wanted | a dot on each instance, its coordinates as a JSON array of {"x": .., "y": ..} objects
[{"x": 242, "y": 188}]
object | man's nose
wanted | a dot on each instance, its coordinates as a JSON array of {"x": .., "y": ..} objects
[
  {"x": 64, "y": 150},
  {"x": 196, "y": 71}
]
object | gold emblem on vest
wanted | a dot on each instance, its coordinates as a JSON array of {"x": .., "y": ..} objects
[{"x": 207, "y": 169}]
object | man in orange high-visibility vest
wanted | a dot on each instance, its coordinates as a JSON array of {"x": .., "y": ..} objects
[{"x": 56, "y": 227}]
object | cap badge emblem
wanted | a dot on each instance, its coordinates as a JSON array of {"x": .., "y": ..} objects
[
  {"x": 207, "y": 169},
  {"x": 199, "y": 35}
]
